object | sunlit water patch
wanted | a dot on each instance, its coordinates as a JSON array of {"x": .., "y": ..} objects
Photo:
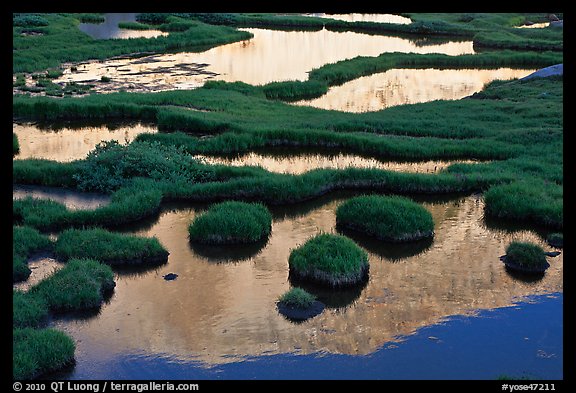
[
  {"x": 356, "y": 17},
  {"x": 271, "y": 55},
  {"x": 69, "y": 142},
  {"x": 409, "y": 86},
  {"x": 298, "y": 162},
  {"x": 221, "y": 308}
]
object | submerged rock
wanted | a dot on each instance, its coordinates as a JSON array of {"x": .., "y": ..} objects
[{"x": 170, "y": 276}]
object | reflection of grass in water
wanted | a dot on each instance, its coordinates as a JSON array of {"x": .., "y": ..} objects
[
  {"x": 229, "y": 252},
  {"x": 334, "y": 298},
  {"x": 394, "y": 252}
]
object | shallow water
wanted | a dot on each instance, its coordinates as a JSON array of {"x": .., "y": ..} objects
[
  {"x": 409, "y": 86},
  {"x": 297, "y": 162},
  {"x": 109, "y": 28},
  {"x": 72, "y": 141},
  {"x": 221, "y": 308},
  {"x": 271, "y": 55},
  {"x": 356, "y": 17},
  {"x": 73, "y": 200}
]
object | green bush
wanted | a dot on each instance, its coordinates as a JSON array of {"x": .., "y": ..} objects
[
  {"x": 38, "y": 351},
  {"x": 110, "y": 165},
  {"x": 392, "y": 218},
  {"x": 30, "y": 20},
  {"x": 80, "y": 285},
  {"x": 110, "y": 248},
  {"x": 525, "y": 254},
  {"x": 297, "y": 298},
  {"x": 333, "y": 260},
  {"x": 232, "y": 223}
]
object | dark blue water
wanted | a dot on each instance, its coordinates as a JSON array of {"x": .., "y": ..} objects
[{"x": 521, "y": 341}]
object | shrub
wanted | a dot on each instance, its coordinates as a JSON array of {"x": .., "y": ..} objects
[
  {"x": 29, "y": 20},
  {"x": 110, "y": 165},
  {"x": 392, "y": 218},
  {"x": 232, "y": 223},
  {"x": 297, "y": 298},
  {"x": 329, "y": 259},
  {"x": 38, "y": 351}
]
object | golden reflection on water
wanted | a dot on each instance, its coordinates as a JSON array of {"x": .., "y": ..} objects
[
  {"x": 215, "y": 311},
  {"x": 409, "y": 86},
  {"x": 355, "y": 17},
  {"x": 297, "y": 164},
  {"x": 71, "y": 143},
  {"x": 271, "y": 55}
]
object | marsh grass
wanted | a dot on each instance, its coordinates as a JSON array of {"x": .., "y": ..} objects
[
  {"x": 108, "y": 247},
  {"x": 333, "y": 260},
  {"x": 297, "y": 298},
  {"x": 232, "y": 222},
  {"x": 526, "y": 255},
  {"x": 555, "y": 240},
  {"x": 28, "y": 310},
  {"x": 15, "y": 144},
  {"x": 81, "y": 285},
  {"x": 38, "y": 351},
  {"x": 25, "y": 242},
  {"x": 392, "y": 218}
]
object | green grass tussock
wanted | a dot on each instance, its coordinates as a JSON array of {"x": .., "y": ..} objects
[
  {"x": 392, "y": 218},
  {"x": 81, "y": 285},
  {"x": 39, "y": 351},
  {"x": 232, "y": 222},
  {"x": 28, "y": 310},
  {"x": 328, "y": 259},
  {"x": 525, "y": 254},
  {"x": 297, "y": 298},
  {"x": 25, "y": 242},
  {"x": 107, "y": 247}
]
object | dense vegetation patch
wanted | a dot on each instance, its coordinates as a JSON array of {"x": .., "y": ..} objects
[
  {"x": 28, "y": 309},
  {"x": 297, "y": 298},
  {"x": 525, "y": 256},
  {"x": 81, "y": 285},
  {"x": 108, "y": 247},
  {"x": 25, "y": 242},
  {"x": 39, "y": 351},
  {"x": 392, "y": 218},
  {"x": 231, "y": 223},
  {"x": 333, "y": 260}
]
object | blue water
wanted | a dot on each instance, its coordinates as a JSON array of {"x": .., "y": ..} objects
[{"x": 521, "y": 341}]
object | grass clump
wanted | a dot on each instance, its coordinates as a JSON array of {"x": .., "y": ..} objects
[
  {"x": 555, "y": 240},
  {"x": 392, "y": 218},
  {"x": 39, "y": 351},
  {"x": 526, "y": 256},
  {"x": 527, "y": 200},
  {"x": 28, "y": 309},
  {"x": 110, "y": 248},
  {"x": 297, "y": 298},
  {"x": 232, "y": 223},
  {"x": 15, "y": 144},
  {"x": 334, "y": 260},
  {"x": 25, "y": 242},
  {"x": 80, "y": 285}
]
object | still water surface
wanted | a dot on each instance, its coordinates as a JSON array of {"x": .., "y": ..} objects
[
  {"x": 109, "y": 28},
  {"x": 409, "y": 86},
  {"x": 221, "y": 308},
  {"x": 270, "y": 56},
  {"x": 356, "y": 17}
]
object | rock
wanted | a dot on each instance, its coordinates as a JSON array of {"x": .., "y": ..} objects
[
  {"x": 170, "y": 276},
  {"x": 557, "y": 69}
]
